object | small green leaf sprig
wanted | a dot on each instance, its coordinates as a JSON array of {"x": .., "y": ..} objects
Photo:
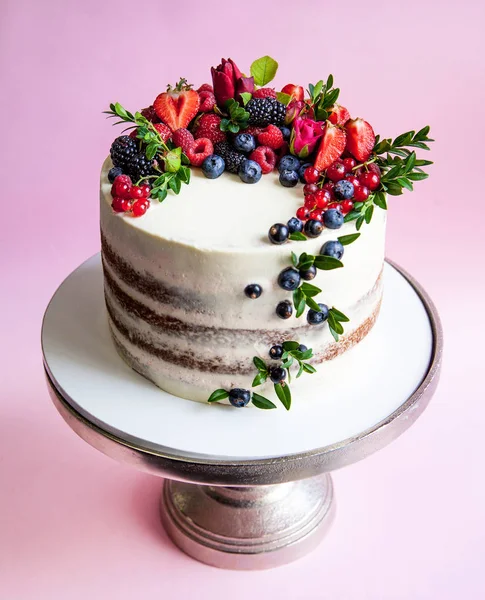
[
  {"x": 322, "y": 96},
  {"x": 176, "y": 172},
  {"x": 256, "y": 399},
  {"x": 236, "y": 116}
]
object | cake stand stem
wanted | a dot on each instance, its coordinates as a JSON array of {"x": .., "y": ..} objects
[{"x": 248, "y": 527}]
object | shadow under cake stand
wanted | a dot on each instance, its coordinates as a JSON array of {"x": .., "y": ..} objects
[{"x": 244, "y": 489}]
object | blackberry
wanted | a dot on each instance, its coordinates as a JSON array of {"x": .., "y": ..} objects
[
  {"x": 122, "y": 150},
  {"x": 139, "y": 166},
  {"x": 232, "y": 158},
  {"x": 265, "y": 111}
]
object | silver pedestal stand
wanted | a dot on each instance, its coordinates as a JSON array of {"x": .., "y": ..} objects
[{"x": 254, "y": 514}]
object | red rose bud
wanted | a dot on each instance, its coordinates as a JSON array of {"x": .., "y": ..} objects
[
  {"x": 295, "y": 92},
  {"x": 293, "y": 111},
  {"x": 305, "y": 136},
  {"x": 229, "y": 83}
]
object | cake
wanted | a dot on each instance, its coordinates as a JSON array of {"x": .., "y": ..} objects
[{"x": 243, "y": 234}]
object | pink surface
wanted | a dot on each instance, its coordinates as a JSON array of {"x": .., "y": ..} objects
[{"x": 73, "y": 523}]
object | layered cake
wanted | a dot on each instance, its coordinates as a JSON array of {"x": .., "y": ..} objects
[{"x": 243, "y": 234}]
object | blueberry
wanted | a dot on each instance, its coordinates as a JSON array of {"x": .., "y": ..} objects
[
  {"x": 294, "y": 224},
  {"x": 288, "y": 178},
  {"x": 332, "y": 248},
  {"x": 276, "y": 352},
  {"x": 317, "y": 317},
  {"x": 213, "y": 166},
  {"x": 113, "y": 173},
  {"x": 302, "y": 348},
  {"x": 308, "y": 274},
  {"x": 288, "y": 163},
  {"x": 286, "y": 132},
  {"x": 253, "y": 291},
  {"x": 313, "y": 228},
  {"x": 284, "y": 310},
  {"x": 289, "y": 279},
  {"x": 333, "y": 218},
  {"x": 277, "y": 374},
  {"x": 301, "y": 170},
  {"x": 343, "y": 190},
  {"x": 239, "y": 397},
  {"x": 278, "y": 233},
  {"x": 244, "y": 142},
  {"x": 250, "y": 171}
]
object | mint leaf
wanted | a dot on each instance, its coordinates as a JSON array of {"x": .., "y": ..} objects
[
  {"x": 264, "y": 70},
  {"x": 218, "y": 395}
]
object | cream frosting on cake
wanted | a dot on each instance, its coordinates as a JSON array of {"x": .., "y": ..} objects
[{"x": 175, "y": 280}]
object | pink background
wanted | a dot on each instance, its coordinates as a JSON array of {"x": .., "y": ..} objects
[{"x": 73, "y": 523}]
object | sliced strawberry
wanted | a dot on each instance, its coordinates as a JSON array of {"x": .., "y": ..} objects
[
  {"x": 339, "y": 115},
  {"x": 360, "y": 139},
  {"x": 296, "y": 92},
  {"x": 177, "y": 107},
  {"x": 331, "y": 146}
]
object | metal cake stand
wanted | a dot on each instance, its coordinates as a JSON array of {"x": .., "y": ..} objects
[{"x": 248, "y": 501}]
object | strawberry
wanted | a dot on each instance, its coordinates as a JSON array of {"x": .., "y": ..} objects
[
  {"x": 208, "y": 126},
  {"x": 182, "y": 138},
  {"x": 339, "y": 115},
  {"x": 207, "y": 101},
  {"x": 271, "y": 137},
  {"x": 206, "y": 87},
  {"x": 331, "y": 146},
  {"x": 177, "y": 107},
  {"x": 265, "y": 157},
  {"x": 360, "y": 139},
  {"x": 199, "y": 151},
  {"x": 296, "y": 92},
  {"x": 163, "y": 130},
  {"x": 264, "y": 93}
]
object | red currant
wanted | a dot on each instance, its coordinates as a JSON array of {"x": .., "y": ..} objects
[
  {"x": 137, "y": 192},
  {"x": 126, "y": 204},
  {"x": 310, "y": 188},
  {"x": 311, "y": 175},
  {"x": 370, "y": 180},
  {"x": 353, "y": 179},
  {"x": 336, "y": 171},
  {"x": 117, "y": 204},
  {"x": 334, "y": 205},
  {"x": 346, "y": 206},
  {"x": 361, "y": 193},
  {"x": 146, "y": 190},
  {"x": 349, "y": 163},
  {"x": 317, "y": 215},
  {"x": 322, "y": 198},
  {"x": 302, "y": 213},
  {"x": 121, "y": 187},
  {"x": 310, "y": 201},
  {"x": 329, "y": 188},
  {"x": 139, "y": 208}
]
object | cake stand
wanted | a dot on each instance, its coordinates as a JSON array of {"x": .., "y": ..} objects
[{"x": 244, "y": 489}]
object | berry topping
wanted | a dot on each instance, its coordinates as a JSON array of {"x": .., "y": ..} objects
[
  {"x": 370, "y": 179},
  {"x": 253, "y": 291},
  {"x": 250, "y": 171},
  {"x": 289, "y": 279},
  {"x": 244, "y": 142},
  {"x": 346, "y": 206},
  {"x": 360, "y": 139},
  {"x": 264, "y": 93},
  {"x": 311, "y": 175},
  {"x": 333, "y": 218},
  {"x": 276, "y": 352},
  {"x": 339, "y": 115},
  {"x": 336, "y": 171},
  {"x": 278, "y": 233},
  {"x": 239, "y": 397},
  {"x": 288, "y": 163},
  {"x": 265, "y": 157},
  {"x": 182, "y": 138},
  {"x": 302, "y": 213},
  {"x": 178, "y": 106},
  {"x": 343, "y": 190},
  {"x": 271, "y": 137},
  {"x": 277, "y": 374},
  {"x": 265, "y": 111},
  {"x": 296, "y": 92},
  {"x": 361, "y": 193},
  {"x": 199, "y": 151},
  {"x": 317, "y": 317},
  {"x": 140, "y": 207},
  {"x": 208, "y": 126},
  {"x": 121, "y": 204},
  {"x": 308, "y": 274},
  {"x": 164, "y": 131},
  {"x": 121, "y": 187},
  {"x": 310, "y": 201},
  {"x": 122, "y": 149},
  {"x": 294, "y": 224},
  {"x": 332, "y": 248},
  {"x": 213, "y": 166},
  {"x": 288, "y": 178},
  {"x": 284, "y": 309},
  {"x": 207, "y": 101},
  {"x": 232, "y": 158},
  {"x": 137, "y": 192},
  {"x": 331, "y": 146},
  {"x": 146, "y": 190},
  {"x": 313, "y": 228},
  {"x": 113, "y": 173}
]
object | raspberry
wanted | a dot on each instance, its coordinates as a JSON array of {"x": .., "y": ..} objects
[
  {"x": 271, "y": 137},
  {"x": 253, "y": 130},
  {"x": 150, "y": 114},
  {"x": 264, "y": 93},
  {"x": 205, "y": 87},
  {"x": 164, "y": 131},
  {"x": 199, "y": 151},
  {"x": 265, "y": 157},
  {"x": 182, "y": 138},
  {"x": 207, "y": 101},
  {"x": 208, "y": 126}
]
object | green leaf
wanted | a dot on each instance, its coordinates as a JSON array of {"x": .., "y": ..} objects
[
  {"x": 394, "y": 189},
  {"x": 351, "y": 216},
  {"x": 174, "y": 184},
  {"x": 224, "y": 124},
  {"x": 327, "y": 263},
  {"x": 422, "y": 133},
  {"x": 290, "y": 345},
  {"x": 262, "y": 402},
  {"x": 312, "y": 304},
  {"x": 334, "y": 334},
  {"x": 185, "y": 159},
  {"x": 306, "y": 265},
  {"x": 246, "y": 97},
  {"x": 300, "y": 308},
  {"x": 345, "y": 240},
  {"x": 309, "y": 290},
  {"x": 288, "y": 362},
  {"x": 380, "y": 200},
  {"x": 297, "y": 236},
  {"x": 173, "y": 161},
  {"x": 184, "y": 174},
  {"x": 339, "y": 316},
  {"x": 259, "y": 379},
  {"x": 300, "y": 370},
  {"x": 405, "y": 183},
  {"x": 417, "y": 176},
  {"x": 359, "y": 222},
  {"x": 304, "y": 355},
  {"x": 284, "y": 394},
  {"x": 264, "y": 70},
  {"x": 260, "y": 364},
  {"x": 233, "y": 127},
  {"x": 369, "y": 211},
  {"x": 283, "y": 98},
  {"x": 218, "y": 395},
  {"x": 294, "y": 259},
  {"x": 403, "y": 139},
  {"x": 308, "y": 368}
]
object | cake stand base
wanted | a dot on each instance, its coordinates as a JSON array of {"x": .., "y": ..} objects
[{"x": 248, "y": 527}]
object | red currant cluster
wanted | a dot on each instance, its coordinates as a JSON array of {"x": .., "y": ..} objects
[
  {"x": 319, "y": 187},
  {"x": 129, "y": 198}
]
